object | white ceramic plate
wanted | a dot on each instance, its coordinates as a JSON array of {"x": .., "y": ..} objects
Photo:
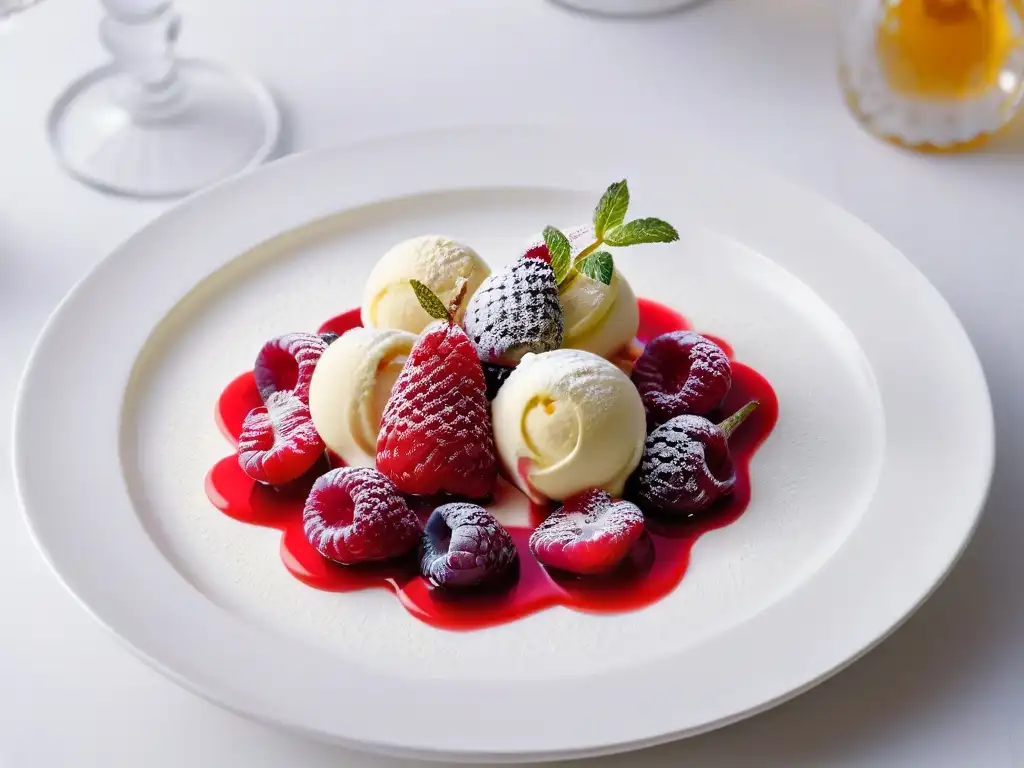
[{"x": 863, "y": 497}]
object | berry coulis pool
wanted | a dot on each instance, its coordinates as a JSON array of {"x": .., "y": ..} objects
[{"x": 654, "y": 567}]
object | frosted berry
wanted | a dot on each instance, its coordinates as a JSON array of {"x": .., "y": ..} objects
[
  {"x": 686, "y": 465},
  {"x": 516, "y": 311},
  {"x": 463, "y": 546},
  {"x": 286, "y": 363},
  {"x": 355, "y": 514},
  {"x": 681, "y": 372},
  {"x": 590, "y": 533},
  {"x": 278, "y": 442},
  {"x": 435, "y": 435}
]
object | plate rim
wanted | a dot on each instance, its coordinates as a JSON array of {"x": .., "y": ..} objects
[{"x": 478, "y": 133}]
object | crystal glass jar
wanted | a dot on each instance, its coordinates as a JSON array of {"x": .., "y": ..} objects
[{"x": 933, "y": 74}]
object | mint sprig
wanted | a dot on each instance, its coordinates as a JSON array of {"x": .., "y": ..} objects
[
  {"x": 598, "y": 265},
  {"x": 609, "y": 229},
  {"x": 641, "y": 231},
  {"x": 611, "y": 208},
  {"x": 432, "y": 305},
  {"x": 560, "y": 251}
]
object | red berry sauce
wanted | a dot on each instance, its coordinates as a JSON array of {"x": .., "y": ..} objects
[{"x": 653, "y": 569}]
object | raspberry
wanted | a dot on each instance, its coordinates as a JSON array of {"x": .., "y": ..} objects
[
  {"x": 538, "y": 251},
  {"x": 278, "y": 442},
  {"x": 686, "y": 466},
  {"x": 435, "y": 434},
  {"x": 681, "y": 372},
  {"x": 355, "y": 514},
  {"x": 463, "y": 546},
  {"x": 588, "y": 534},
  {"x": 286, "y": 363},
  {"x": 579, "y": 237},
  {"x": 515, "y": 311}
]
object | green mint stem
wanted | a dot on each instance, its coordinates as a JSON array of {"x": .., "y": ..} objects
[
  {"x": 588, "y": 250},
  {"x": 729, "y": 425}
]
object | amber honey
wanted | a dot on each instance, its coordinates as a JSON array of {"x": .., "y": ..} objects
[
  {"x": 934, "y": 74},
  {"x": 946, "y": 49}
]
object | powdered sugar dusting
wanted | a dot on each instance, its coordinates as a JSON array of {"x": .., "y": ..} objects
[
  {"x": 355, "y": 514},
  {"x": 439, "y": 261},
  {"x": 435, "y": 434},
  {"x": 515, "y": 311},
  {"x": 681, "y": 372},
  {"x": 607, "y": 415},
  {"x": 588, "y": 534},
  {"x": 675, "y": 472},
  {"x": 464, "y": 545},
  {"x": 436, "y": 261},
  {"x": 278, "y": 442},
  {"x": 583, "y": 375},
  {"x": 291, "y": 355}
]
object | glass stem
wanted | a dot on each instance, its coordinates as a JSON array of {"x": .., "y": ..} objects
[{"x": 141, "y": 35}]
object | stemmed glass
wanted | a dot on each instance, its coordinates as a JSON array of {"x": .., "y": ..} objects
[
  {"x": 151, "y": 125},
  {"x": 10, "y": 7}
]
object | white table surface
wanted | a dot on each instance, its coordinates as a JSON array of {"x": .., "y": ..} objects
[{"x": 756, "y": 76}]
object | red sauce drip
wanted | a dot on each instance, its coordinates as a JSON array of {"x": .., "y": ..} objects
[
  {"x": 346, "y": 321},
  {"x": 653, "y": 569}
]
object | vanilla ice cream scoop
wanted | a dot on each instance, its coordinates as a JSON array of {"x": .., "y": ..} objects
[
  {"x": 567, "y": 421},
  {"x": 437, "y": 262},
  {"x": 350, "y": 387},
  {"x": 599, "y": 318}
]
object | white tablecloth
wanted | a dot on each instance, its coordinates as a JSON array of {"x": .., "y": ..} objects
[{"x": 756, "y": 76}]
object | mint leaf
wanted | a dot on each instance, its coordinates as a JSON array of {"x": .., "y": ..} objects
[
  {"x": 611, "y": 209},
  {"x": 560, "y": 251},
  {"x": 641, "y": 231},
  {"x": 597, "y": 265},
  {"x": 432, "y": 305}
]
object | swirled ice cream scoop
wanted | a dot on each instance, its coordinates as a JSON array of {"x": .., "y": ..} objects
[
  {"x": 598, "y": 318},
  {"x": 437, "y": 262},
  {"x": 350, "y": 387},
  {"x": 566, "y": 421}
]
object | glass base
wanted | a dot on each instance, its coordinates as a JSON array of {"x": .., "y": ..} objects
[
  {"x": 211, "y": 124},
  {"x": 627, "y": 7}
]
